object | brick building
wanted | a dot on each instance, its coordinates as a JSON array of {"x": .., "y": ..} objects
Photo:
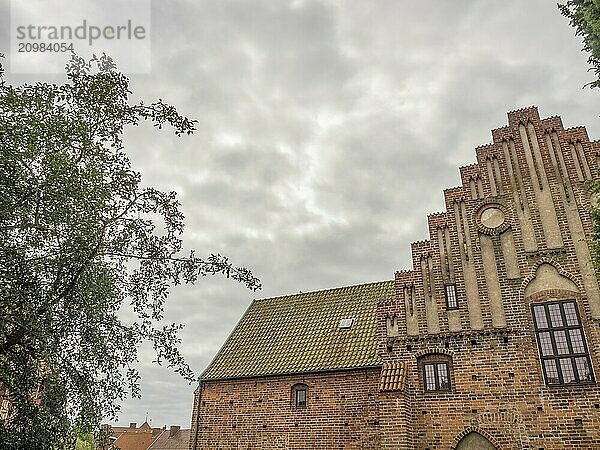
[{"x": 491, "y": 341}]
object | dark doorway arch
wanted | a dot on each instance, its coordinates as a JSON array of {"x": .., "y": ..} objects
[{"x": 475, "y": 441}]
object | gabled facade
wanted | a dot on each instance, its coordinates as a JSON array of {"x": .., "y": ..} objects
[
  {"x": 491, "y": 341},
  {"x": 299, "y": 371}
]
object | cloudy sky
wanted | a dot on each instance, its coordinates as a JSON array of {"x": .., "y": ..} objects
[{"x": 327, "y": 131}]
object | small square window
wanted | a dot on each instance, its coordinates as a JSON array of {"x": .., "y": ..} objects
[
  {"x": 346, "y": 324},
  {"x": 299, "y": 395},
  {"x": 451, "y": 298}
]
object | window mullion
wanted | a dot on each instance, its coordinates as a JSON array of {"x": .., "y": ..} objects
[
  {"x": 553, "y": 342},
  {"x": 544, "y": 371},
  {"x": 569, "y": 343},
  {"x": 575, "y": 370},
  {"x": 562, "y": 313}
]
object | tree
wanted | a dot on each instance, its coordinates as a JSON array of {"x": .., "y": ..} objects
[
  {"x": 585, "y": 17},
  {"x": 85, "y": 441},
  {"x": 80, "y": 239}
]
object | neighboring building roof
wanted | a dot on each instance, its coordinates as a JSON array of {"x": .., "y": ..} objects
[
  {"x": 300, "y": 333},
  {"x": 117, "y": 431},
  {"x": 133, "y": 438},
  {"x": 134, "y": 441},
  {"x": 172, "y": 439}
]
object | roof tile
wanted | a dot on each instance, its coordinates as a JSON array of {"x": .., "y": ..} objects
[
  {"x": 299, "y": 333},
  {"x": 392, "y": 376}
]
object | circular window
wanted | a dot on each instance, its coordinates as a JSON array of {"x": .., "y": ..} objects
[{"x": 492, "y": 217}]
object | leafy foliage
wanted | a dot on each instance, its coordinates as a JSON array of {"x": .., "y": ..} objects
[
  {"x": 85, "y": 441},
  {"x": 585, "y": 17},
  {"x": 80, "y": 239}
]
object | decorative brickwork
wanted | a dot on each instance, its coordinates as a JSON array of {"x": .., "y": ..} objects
[{"x": 515, "y": 234}]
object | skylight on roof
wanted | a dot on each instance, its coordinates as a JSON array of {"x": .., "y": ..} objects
[{"x": 346, "y": 324}]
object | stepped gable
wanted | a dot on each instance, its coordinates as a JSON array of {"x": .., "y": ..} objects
[{"x": 517, "y": 202}]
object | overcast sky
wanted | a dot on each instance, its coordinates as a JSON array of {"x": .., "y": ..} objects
[{"x": 327, "y": 131}]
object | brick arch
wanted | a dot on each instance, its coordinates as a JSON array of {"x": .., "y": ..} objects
[
  {"x": 478, "y": 430},
  {"x": 561, "y": 271},
  {"x": 434, "y": 351},
  {"x": 556, "y": 294}
]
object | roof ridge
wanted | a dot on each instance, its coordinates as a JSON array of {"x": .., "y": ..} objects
[{"x": 318, "y": 291}]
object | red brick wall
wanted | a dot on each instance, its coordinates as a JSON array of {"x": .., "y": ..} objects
[
  {"x": 343, "y": 412},
  {"x": 497, "y": 389}
]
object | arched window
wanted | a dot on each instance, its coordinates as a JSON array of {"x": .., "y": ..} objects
[
  {"x": 435, "y": 372},
  {"x": 299, "y": 395}
]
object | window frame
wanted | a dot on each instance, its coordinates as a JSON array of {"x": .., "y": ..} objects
[
  {"x": 555, "y": 356},
  {"x": 448, "y": 305},
  {"x": 296, "y": 389},
  {"x": 436, "y": 380}
]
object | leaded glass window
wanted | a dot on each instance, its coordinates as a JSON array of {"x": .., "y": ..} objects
[
  {"x": 299, "y": 395},
  {"x": 451, "y": 298},
  {"x": 561, "y": 342},
  {"x": 436, "y": 376}
]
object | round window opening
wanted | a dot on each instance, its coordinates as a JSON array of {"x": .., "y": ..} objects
[{"x": 492, "y": 217}]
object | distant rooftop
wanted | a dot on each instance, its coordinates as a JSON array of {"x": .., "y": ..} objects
[
  {"x": 132, "y": 438},
  {"x": 117, "y": 431},
  {"x": 172, "y": 439},
  {"x": 303, "y": 333}
]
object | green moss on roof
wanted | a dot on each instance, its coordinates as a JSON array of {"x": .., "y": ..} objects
[{"x": 299, "y": 333}]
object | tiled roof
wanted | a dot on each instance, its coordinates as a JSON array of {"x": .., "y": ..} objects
[
  {"x": 392, "y": 376},
  {"x": 118, "y": 431},
  {"x": 300, "y": 333},
  {"x": 178, "y": 440},
  {"x": 134, "y": 440}
]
